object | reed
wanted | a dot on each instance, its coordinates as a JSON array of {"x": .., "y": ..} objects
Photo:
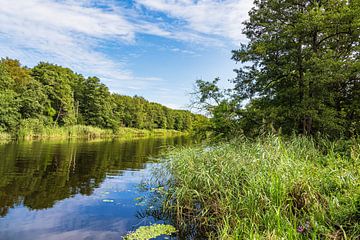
[
  {"x": 269, "y": 188},
  {"x": 4, "y": 137},
  {"x": 30, "y": 129},
  {"x": 33, "y": 130},
  {"x": 140, "y": 133}
]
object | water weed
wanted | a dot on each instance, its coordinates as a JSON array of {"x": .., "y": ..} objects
[{"x": 150, "y": 232}]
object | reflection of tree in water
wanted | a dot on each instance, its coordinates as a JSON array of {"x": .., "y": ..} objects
[{"x": 39, "y": 174}]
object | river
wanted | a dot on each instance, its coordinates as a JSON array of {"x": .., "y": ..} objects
[{"x": 75, "y": 189}]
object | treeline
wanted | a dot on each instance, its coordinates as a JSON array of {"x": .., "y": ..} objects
[
  {"x": 52, "y": 95},
  {"x": 299, "y": 72}
]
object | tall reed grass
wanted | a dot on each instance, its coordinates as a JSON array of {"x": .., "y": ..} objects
[
  {"x": 140, "y": 133},
  {"x": 30, "y": 129},
  {"x": 34, "y": 129},
  {"x": 4, "y": 137},
  {"x": 269, "y": 188}
]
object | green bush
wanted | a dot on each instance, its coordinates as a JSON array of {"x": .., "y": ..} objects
[{"x": 30, "y": 128}]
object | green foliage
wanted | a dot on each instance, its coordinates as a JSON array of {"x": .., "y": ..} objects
[
  {"x": 268, "y": 188},
  {"x": 136, "y": 112},
  {"x": 9, "y": 105},
  {"x": 6, "y": 82},
  {"x": 9, "y": 110},
  {"x": 140, "y": 133},
  {"x": 96, "y": 104},
  {"x": 30, "y": 128},
  {"x": 35, "y": 129},
  {"x": 299, "y": 70},
  {"x": 150, "y": 232},
  {"x": 35, "y": 102},
  {"x": 4, "y": 137},
  {"x": 57, "y": 84},
  {"x": 23, "y": 91}
]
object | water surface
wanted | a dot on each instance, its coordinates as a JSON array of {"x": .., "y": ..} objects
[{"x": 74, "y": 190}]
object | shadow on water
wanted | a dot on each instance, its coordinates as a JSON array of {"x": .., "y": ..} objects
[{"x": 50, "y": 176}]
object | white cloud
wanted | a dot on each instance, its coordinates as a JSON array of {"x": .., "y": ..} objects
[
  {"x": 209, "y": 17},
  {"x": 64, "y": 33},
  {"x": 73, "y": 32}
]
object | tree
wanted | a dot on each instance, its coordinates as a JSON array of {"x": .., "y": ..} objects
[
  {"x": 9, "y": 111},
  {"x": 31, "y": 97},
  {"x": 96, "y": 104},
  {"x": 304, "y": 62},
  {"x": 57, "y": 84},
  {"x": 121, "y": 113},
  {"x": 299, "y": 71},
  {"x": 53, "y": 95}
]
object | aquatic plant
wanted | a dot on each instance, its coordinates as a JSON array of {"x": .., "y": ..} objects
[
  {"x": 150, "y": 232},
  {"x": 268, "y": 188},
  {"x": 30, "y": 129}
]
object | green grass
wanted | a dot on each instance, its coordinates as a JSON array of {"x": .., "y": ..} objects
[
  {"x": 30, "y": 129},
  {"x": 90, "y": 132},
  {"x": 4, "y": 137},
  {"x": 140, "y": 133},
  {"x": 268, "y": 188},
  {"x": 29, "y": 132}
]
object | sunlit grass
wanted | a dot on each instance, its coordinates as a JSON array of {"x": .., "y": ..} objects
[
  {"x": 29, "y": 132},
  {"x": 134, "y": 133},
  {"x": 30, "y": 129},
  {"x": 4, "y": 137},
  {"x": 269, "y": 188}
]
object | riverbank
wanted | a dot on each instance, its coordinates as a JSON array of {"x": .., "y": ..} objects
[
  {"x": 85, "y": 132},
  {"x": 267, "y": 188}
]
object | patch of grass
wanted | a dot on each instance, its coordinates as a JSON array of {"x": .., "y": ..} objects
[
  {"x": 150, "y": 232},
  {"x": 269, "y": 188},
  {"x": 140, "y": 133},
  {"x": 4, "y": 137},
  {"x": 34, "y": 129},
  {"x": 30, "y": 129}
]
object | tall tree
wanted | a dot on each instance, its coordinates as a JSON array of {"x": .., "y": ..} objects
[
  {"x": 57, "y": 82},
  {"x": 9, "y": 106},
  {"x": 304, "y": 63},
  {"x": 97, "y": 105},
  {"x": 299, "y": 70},
  {"x": 33, "y": 102}
]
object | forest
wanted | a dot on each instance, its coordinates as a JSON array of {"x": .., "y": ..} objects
[{"x": 54, "y": 96}]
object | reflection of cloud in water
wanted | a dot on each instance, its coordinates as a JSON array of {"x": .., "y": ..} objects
[
  {"x": 81, "y": 217},
  {"x": 74, "y": 190},
  {"x": 82, "y": 234}
]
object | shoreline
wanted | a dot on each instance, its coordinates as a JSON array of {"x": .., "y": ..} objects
[{"x": 87, "y": 132}]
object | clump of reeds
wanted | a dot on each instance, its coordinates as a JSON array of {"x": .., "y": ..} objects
[
  {"x": 269, "y": 188},
  {"x": 4, "y": 137},
  {"x": 139, "y": 133},
  {"x": 35, "y": 129}
]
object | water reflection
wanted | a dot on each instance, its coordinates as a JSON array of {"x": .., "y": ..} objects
[{"x": 80, "y": 190}]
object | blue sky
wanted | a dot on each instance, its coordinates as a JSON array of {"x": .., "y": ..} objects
[{"x": 153, "y": 48}]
